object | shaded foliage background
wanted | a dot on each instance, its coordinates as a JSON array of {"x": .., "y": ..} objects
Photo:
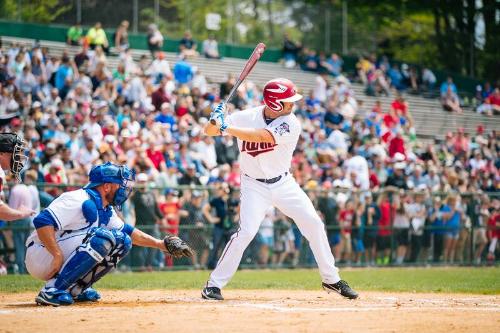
[{"x": 462, "y": 36}]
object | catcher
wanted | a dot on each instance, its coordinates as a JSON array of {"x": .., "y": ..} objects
[{"x": 79, "y": 238}]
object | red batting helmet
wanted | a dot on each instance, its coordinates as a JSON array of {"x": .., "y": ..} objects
[{"x": 277, "y": 91}]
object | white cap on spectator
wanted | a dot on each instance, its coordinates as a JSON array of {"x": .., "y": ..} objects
[
  {"x": 36, "y": 104},
  {"x": 398, "y": 157},
  {"x": 142, "y": 177},
  {"x": 400, "y": 165}
]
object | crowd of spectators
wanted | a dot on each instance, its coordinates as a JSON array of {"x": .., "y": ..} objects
[
  {"x": 381, "y": 78},
  {"x": 75, "y": 110}
]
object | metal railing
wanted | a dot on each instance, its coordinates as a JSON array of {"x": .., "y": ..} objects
[{"x": 280, "y": 243}]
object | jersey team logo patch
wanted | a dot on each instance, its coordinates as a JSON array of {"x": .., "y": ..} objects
[
  {"x": 282, "y": 129},
  {"x": 255, "y": 148}
]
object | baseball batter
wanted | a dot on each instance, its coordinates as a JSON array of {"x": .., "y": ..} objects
[
  {"x": 267, "y": 136},
  {"x": 79, "y": 238}
]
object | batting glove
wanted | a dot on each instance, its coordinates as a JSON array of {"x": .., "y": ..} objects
[{"x": 217, "y": 116}]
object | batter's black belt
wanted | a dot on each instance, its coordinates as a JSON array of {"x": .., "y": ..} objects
[{"x": 269, "y": 180}]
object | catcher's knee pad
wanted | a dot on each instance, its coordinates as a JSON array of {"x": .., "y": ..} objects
[
  {"x": 123, "y": 244},
  {"x": 95, "y": 248}
]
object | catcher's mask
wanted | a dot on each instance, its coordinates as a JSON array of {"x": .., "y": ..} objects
[
  {"x": 112, "y": 173},
  {"x": 14, "y": 144}
]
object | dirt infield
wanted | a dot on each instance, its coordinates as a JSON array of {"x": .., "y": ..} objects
[{"x": 255, "y": 311}]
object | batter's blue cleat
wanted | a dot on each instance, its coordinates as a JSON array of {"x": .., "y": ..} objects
[
  {"x": 88, "y": 295},
  {"x": 54, "y": 297}
]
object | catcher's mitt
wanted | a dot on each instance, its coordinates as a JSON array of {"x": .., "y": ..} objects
[{"x": 176, "y": 247}]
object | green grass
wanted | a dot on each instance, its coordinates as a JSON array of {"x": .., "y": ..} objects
[{"x": 444, "y": 280}]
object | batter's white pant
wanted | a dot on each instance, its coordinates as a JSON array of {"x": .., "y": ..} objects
[
  {"x": 38, "y": 260},
  {"x": 287, "y": 196}
]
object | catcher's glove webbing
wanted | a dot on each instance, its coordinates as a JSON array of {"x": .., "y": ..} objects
[{"x": 176, "y": 247}]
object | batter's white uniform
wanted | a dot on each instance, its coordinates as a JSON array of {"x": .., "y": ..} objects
[
  {"x": 71, "y": 230},
  {"x": 267, "y": 161}
]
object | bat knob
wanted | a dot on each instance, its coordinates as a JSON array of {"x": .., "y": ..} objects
[{"x": 212, "y": 121}]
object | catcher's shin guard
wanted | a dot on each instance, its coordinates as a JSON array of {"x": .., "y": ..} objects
[
  {"x": 95, "y": 247},
  {"x": 121, "y": 249}
]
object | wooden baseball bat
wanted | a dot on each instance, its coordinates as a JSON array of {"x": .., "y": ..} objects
[{"x": 256, "y": 54}]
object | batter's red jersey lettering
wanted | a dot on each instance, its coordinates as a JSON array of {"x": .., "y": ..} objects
[
  {"x": 255, "y": 148},
  {"x": 266, "y": 160}
]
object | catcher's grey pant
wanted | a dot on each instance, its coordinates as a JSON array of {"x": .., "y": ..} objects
[{"x": 289, "y": 198}]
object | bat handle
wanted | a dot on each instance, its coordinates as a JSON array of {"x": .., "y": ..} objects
[{"x": 213, "y": 122}]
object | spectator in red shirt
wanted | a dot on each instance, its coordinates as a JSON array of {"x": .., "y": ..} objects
[
  {"x": 346, "y": 219},
  {"x": 493, "y": 231},
  {"x": 460, "y": 143},
  {"x": 384, "y": 229},
  {"x": 170, "y": 210},
  {"x": 160, "y": 95},
  {"x": 397, "y": 145},
  {"x": 391, "y": 119},
  {"x": 234, "y": 178},
  {"x": 377, "y": 108},
  {"x": 155, "y": 154},
  {"x": 400, "y": 105},
  {"x": 53, "y": 177}
]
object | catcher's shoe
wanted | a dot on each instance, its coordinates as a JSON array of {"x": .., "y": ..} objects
[
  {"x": 212, "y": 293},
  {"x": 54, "y": 297},
  {"x": 342, "y": 288},
  {"x": 88, "y": 295}
]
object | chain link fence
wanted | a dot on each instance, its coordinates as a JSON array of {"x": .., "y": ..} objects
[{"x": 363, "y": 229}]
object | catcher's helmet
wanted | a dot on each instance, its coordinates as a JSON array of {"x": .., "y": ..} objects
[
  {"x": 112, "y": 173},
  {"x": 277, "y": 91}
]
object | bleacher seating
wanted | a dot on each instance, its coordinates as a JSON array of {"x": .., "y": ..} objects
[{"x": 429, "y": 117}]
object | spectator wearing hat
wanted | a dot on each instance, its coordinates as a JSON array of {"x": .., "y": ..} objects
[
  {"x": 147, "y": 214},
  {"x": 54, "y": 177},
  {"x": 398, "y": 179}
]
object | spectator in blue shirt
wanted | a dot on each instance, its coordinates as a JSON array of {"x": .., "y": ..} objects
[
  {"x": 64, "y": 72},
  {"x": 166, "y": 116},
  {"x": 335, "y": 64},
  {"x": 438, "y": 230},
  {"x": 451, "y": 217},
  {"x": 332, "y": 118},
  {"x": 396, "y": 78},
  {"x": 445, "y": 85},
  {"x": 183, "y": 71}
]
